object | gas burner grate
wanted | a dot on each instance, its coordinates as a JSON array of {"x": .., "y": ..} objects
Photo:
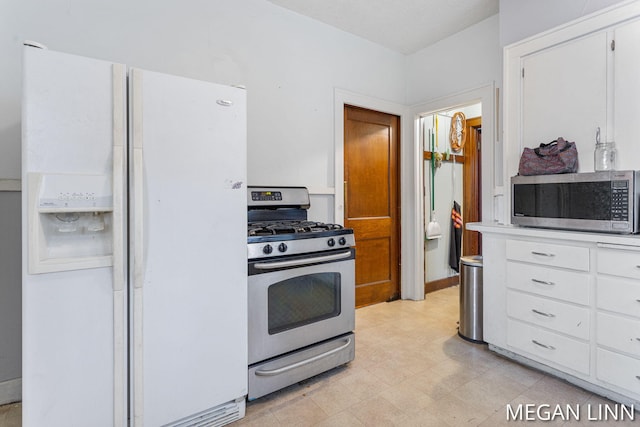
[{"x": 289, "y": 227}]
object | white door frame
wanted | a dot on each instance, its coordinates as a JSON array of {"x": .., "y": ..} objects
[{"x": 411, "y": 165}]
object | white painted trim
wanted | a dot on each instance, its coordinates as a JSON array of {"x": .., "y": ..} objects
[
  {"x": 10, "y": 391},
  {"x": 321, "y": 191},
  {"x": 485, "y": 95},
  {"x": 10, "y": 185},
  {"x": 407, "y": 220}
]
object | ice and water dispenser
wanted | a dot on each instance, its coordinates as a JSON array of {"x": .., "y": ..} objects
[{"x": 71, "y": 222}]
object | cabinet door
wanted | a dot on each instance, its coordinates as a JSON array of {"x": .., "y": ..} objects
[
  {"x": 564, "y": 94},
  {"x": 626, "y": 92}
]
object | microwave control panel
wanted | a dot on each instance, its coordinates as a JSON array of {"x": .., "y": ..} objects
[{"x": 620, "y": 201}]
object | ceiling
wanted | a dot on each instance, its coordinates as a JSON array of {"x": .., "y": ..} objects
[{"x": 405, "y": 26}]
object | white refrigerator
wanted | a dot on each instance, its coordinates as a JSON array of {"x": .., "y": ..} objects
[{"x": 134, "y": 246}]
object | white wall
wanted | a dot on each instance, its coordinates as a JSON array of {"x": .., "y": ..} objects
[{"x": 468, "y": 59}]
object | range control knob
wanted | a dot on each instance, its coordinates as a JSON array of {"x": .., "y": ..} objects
[
  {"x": 331, "y": 242},
  {"x": 282, "y": 247},
  {"x": 267, "y": 249},
  {"x": 342, "y": 241}
]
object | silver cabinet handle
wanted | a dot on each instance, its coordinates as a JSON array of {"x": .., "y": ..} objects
[
  {"x": 637, "y": 339},
  {"x": 548, "y": 347},
  {"x": 541, "y": 313},
  {"x": 542, "y": 282},
  {"x": 543, "y": 254},
  {"x": 272, "y": 372},
  {"x": 638, "y": 377}
]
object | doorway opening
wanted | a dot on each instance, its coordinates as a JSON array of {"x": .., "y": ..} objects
[{"x": 452, "y": 141}]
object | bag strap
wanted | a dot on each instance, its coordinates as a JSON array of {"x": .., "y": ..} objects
[{"x": 555, "y": 141}]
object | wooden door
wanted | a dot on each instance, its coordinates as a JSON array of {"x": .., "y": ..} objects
[
  {"x": 472, "y": 194},
  {"x": 372, "y": 202}
]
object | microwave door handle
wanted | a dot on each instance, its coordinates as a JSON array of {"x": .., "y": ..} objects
[{"x": 298, "y": 262}]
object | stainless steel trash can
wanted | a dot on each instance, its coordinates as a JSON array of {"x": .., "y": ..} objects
[{"x": 470, "y": 327}]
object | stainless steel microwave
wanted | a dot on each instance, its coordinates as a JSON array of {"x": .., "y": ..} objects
[{"x": 604, "y": 201}]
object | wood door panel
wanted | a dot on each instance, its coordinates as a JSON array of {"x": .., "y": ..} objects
[
  {"x": 373, "y": 255},
  {"x": 378, "y": 293},
  {"x": 371, "y": 182},
  {"x": 372, "y": 201},
  {"x": 371, "y": 227}
]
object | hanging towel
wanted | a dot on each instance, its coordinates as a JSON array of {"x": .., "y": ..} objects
[{"x": 455, "y": 242}]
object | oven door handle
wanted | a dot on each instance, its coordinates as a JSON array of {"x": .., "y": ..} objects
[
  {"x": 297, "y": 262},
  {"x": 272, "y": 372}
]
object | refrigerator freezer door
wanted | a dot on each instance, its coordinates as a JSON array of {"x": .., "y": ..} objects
[
  {"x": 68, "y": 358},
  {"x": 188, "y": 228}
]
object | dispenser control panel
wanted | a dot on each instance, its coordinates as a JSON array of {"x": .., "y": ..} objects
[{"x": 70, "y": 192}]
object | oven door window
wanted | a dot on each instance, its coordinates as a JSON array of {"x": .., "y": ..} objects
[{"x": 303, "y": 300}]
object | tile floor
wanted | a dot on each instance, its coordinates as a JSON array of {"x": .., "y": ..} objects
[{"x": 411, "y": 369}]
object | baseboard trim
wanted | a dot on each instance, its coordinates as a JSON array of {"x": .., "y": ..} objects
[
  {"x": 436, "y": 285},
  {"x": 10, "y": 391}
]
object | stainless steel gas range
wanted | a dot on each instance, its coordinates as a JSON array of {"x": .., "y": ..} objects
[{"x": 301, "y": 291}]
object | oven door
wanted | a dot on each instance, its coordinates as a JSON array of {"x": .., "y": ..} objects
[{"x": 299, "y": 301}]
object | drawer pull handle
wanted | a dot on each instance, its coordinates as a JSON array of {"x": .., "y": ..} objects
[
  {"x": 543, "y": 282},
  {"x": 548, "y": 347},
  {"x": 542, "y": 313},
  {"x": 638, "y": 377},
  {"x": 543, "y": 254}
]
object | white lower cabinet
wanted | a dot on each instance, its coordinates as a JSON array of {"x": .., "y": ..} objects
[
  {"x": 566, "y": 302},
  {"x": 619, "y": 370},
  {"x": 618, "y": 317},
  {"x": 619, "y": 333},
  {"x": 557, "y": 316},
  {"x": 565, "y": 285},
  {"x": 548, "y": 347},
  {"x": 548, "y": 293}
]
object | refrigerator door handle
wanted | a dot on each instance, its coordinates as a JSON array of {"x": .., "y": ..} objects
[
  {"x": 137, "y": 201},
  {"x": 138, "y": 220},
  {"x": 119, "y": 173}
]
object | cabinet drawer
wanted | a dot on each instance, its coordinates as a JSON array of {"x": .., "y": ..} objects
[
  {"x": 619, "y": 295},
  {"x": 619, "y": 333},
  {"x": 566, "y": 285},
  {"x": 619, "y": 370},
  {"x": 558, "y": 316},
  {"x": 573, "y": 257},
  {"x": 549, "y": 346},
  {"x": 618, "y": 262}
]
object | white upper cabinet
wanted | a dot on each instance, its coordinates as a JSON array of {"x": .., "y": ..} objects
[
  {"x": 572, "y": 80},
  {"x": 626, "y": 98},
  {"x": 564, "y": 94}
]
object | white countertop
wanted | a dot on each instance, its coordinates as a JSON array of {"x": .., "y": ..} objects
[{"x": 580, "y": 236}]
